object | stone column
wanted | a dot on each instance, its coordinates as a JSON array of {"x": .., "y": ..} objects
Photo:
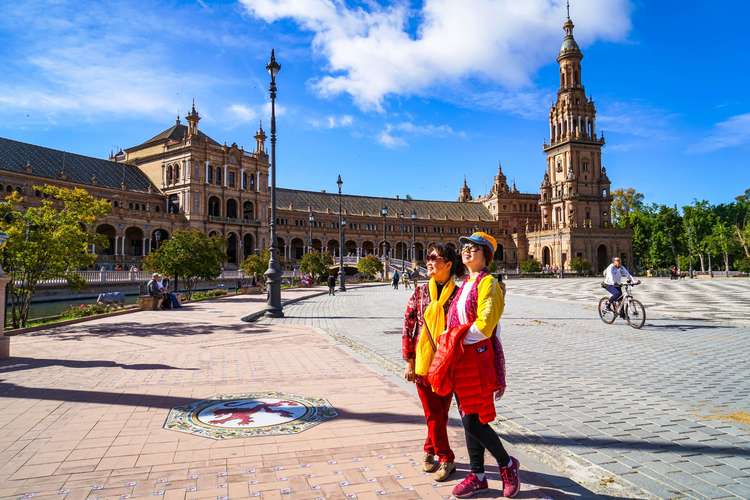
[
  {"x": 4, "y": 341},
  {"x": 143, "y": 248}
]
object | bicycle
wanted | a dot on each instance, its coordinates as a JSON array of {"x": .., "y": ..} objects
[{"x": 631, "y": 309}]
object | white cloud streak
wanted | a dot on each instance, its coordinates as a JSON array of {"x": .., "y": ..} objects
[
  {"x": 372, "y": 53},
  {"x": 730, "y": 133},
  {"x": 332, "y": 121},
  {"x": 393, "y": 135}
]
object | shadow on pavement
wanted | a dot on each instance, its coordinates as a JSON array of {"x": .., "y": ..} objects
[
  {"x": 686, "y": 327},
  {"x": 136, "y": 329},
  {"x": 15, "y": 364}
]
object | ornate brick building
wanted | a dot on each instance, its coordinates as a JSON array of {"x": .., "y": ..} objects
[{"x": 182, "y": 178}]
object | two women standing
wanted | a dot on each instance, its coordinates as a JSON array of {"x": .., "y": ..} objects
[{"x": 468, "y": 361}]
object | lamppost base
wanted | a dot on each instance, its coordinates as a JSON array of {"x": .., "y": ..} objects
[
  {"x": 4, "y": 347},
  {"x": 274, "y": 313}
]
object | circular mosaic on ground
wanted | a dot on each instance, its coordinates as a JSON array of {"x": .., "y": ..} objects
[{"x": 251, "y": 414}]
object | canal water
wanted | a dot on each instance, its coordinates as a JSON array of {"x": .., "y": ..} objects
[{"x": 43, "y": 309}]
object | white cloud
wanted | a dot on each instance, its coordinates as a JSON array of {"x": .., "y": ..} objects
[
  {"x": 243, "y": 113},
  {"x": 332, "y": 121},
  {"x": 732, "y": 132},
  {"x": 372, "y": 53},
  {"x": 393, "y": 135}
]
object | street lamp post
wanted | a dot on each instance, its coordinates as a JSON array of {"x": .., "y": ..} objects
[
  {"x": 273, "y": 273},
  {"x": 401, "y": 223},
  {"x": 342, "y": 274},
  {"x": 311, "y": 221},
  {"x": 413, "y": 243},
  {"x": 4, "y": 341},
  {"x": 384, "y": 213}
]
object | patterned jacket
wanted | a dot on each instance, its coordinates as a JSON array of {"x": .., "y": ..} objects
[{"x": 412, "y": 317}]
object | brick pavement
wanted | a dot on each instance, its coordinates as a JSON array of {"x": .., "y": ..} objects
[
  {"x": 661, "y": 408},
  {"x": 83, "y": 408}
]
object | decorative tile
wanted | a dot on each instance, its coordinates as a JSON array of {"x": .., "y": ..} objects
[{"x": 228, "y": 416}]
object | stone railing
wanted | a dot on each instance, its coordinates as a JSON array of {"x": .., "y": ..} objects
[{"x": 111, "y": 277}]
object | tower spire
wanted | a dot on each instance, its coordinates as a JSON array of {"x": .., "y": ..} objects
[{"x": 567, "y": 7}]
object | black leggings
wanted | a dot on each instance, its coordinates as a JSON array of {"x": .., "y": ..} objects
[{"x": 480, "y": 437}]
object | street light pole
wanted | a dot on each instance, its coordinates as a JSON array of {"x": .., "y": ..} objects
[
  {"x": 310, "y": 221},
  {"x": 413, "y": 242},
  {"x": 403, "y": 247},
  {"x": 273, "y": 273},
  {"x": 384, "y": 213},
  {"x": 342, "y": 274}
]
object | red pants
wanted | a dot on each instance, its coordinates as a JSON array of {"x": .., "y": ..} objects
[{"x": 436, "y": 414}]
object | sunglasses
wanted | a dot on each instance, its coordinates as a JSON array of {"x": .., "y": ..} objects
[
  {"x": 470, "y": 249},
  {"x": 434, "y": 258}
]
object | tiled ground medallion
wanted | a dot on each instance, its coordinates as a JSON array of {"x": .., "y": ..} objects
[{"x": 227, "y": 416}]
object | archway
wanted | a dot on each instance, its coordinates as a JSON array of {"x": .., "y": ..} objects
[
  {"x": 350, "y": 248},
  {"x": 400, "y": 252},
  {"x": 317, "y": 245},
  {"x": 602, "y": 260},
  {"x": 173, "y": 204},
  {"x": 158, "y": 236},
  {"x": 333, "y": 247},
  {"x": 232, "y": 248},
  {"x": 214, "y": 207},
  {"x": 133, "y": 241},
  {"x": 500, "y": 254},
  {"x": 368, "y": 248},
  {"x": 110, "y": 233},
  {"x": 298, "y": 248},
  {"x": 248, "y": 211},
  {"x": 231, "y": 209},
  {"x": 419, "y": 251},
  {"x": 248, "y": 246},
  {"x": 546, "y": 257}
]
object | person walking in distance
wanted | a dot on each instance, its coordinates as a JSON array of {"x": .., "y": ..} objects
[
  {"x": 424, "y": 322},
  {"x": 331, "y": 284}
]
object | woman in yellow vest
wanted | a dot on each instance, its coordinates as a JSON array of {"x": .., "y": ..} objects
[{"x": 424, "y": 322}]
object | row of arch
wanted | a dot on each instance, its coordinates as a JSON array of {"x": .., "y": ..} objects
[
  {"x": 601, "y": 263},
  {"x": 231, "y": 208}
]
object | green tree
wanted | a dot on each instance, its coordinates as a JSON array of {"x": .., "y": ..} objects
[
  {"x": 369, "y": 266},
  {"x": 625, "y": 201},
  {"x": 721, "y": 241},
  {"x": 580, "y": 265},
  {"x": 47, "y": 241},
  {"x": 316, "y": 263},
  {"x": 698, "y": 220},
  {"x": 257, "y": 265},
  {"x": 188, "y": 254},
  {"x": 666, "y": 236},
  {"x": 531, "y": 266}
]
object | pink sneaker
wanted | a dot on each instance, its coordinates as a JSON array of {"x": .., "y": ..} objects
[
  {"x": 509, "y": 475},
  {"x": 469, "y": 486}
]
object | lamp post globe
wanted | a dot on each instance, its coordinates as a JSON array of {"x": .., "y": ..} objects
[
  {"x": 273, "y": 273},
  {"x": 342, "y": 223}
]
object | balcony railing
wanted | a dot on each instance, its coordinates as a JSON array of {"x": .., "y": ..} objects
[{"x": 233, "y": 220}]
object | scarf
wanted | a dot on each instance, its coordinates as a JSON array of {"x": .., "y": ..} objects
[{"x": 434, "y": 325}]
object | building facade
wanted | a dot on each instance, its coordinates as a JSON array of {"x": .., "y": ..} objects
[{"x": 181, "y": 178}]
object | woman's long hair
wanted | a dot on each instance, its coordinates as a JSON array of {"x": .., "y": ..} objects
[{"x": 449, "y": 253}]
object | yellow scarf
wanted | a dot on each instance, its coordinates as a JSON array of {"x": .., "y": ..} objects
[{"x": 434, "y": 325}]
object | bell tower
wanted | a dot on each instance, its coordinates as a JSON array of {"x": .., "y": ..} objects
[
  {"x": 464, "y": 194},
  {"x": 575, "y": 191}
]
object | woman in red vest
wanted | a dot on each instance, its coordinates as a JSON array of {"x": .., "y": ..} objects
[
  {"x": 424, "y": 322},
  {"x": 479, "y": 367}
]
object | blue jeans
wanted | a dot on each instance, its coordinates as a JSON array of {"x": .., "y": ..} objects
[{"x": 616, "y": 292}]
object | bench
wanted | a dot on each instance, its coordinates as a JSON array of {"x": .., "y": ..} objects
[{"x": 148, "y": 303}]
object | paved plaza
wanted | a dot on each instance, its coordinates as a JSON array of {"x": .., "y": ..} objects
[
  {"x": 102, "y": 409},
  {"x": 84, "y": 411},
  {"x": 664, "y": 408}
]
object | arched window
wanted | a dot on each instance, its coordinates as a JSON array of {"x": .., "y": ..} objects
[
  {"x": 218, "y": 176},
  {"x": 169, "y": 174},
  {"x": 252, "y": 182},
  {"x": 176, "y": 173},
  {"x": 244, "y": 180},
  {"x": 210, "y": 178},
  {"x": 248, "y": 212}
]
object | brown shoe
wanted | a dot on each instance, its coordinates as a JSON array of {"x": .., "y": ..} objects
[
  {"x": 428, "y": 463},
  {"x": 444, "y": 470}
]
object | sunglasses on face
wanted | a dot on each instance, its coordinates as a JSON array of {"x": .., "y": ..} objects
[
  {"x": 434, "y": 258},
  {"x": 470, "y": 249}
]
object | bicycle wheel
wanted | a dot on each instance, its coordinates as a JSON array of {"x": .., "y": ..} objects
[
  {"x": 635, "y": 314},
  {"x": 606, "y": 314}
]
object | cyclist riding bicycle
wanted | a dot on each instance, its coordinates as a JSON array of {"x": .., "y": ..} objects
[{"x": 613, "y": 278}]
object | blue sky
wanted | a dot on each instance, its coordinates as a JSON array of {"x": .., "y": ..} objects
[{"x": 402, "y": 97}]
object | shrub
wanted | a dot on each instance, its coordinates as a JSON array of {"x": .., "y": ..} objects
[
  {"x": 83, "y": 310},
  {"x": 580, "y": 265},
  {"x": 531, "y": 266},
  {"x": 208, "y": 294},
  {"x": 369, "y": 266}
]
